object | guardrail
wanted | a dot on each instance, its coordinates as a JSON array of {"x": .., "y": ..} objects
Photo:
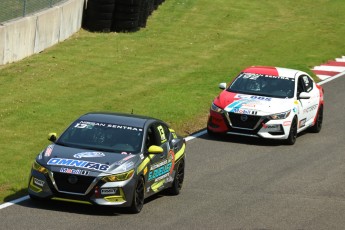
[
  {"x": 13, "y": 9},
  {"x": 32, "y": 34}
]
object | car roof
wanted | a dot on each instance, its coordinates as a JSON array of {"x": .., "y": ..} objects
[
  {"x": 118, "y": 118},
  {"x": 274, "y": 71}
]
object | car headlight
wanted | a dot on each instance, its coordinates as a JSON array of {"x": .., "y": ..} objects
[
  {"x": 278, "y": 116},
  {"x": 36, "y": 166},
  {"x": 119, "y": 177},
  {"x": 216, "y": 108}
]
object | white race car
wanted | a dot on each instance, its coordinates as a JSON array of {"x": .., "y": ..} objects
[{"x": 268, "y": 102}]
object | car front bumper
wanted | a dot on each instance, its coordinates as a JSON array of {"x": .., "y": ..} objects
[
  {"x": 117, "y": 194},
  {"x": 254, "y": 126}
]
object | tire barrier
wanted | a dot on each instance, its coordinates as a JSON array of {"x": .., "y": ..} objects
[{"x": 118, "y": 15}]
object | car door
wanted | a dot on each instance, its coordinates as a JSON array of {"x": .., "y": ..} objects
[
  {"x": 160, "y": 167},
  {"x": 307, "y": 107}
]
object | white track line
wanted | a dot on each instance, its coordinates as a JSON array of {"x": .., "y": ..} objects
[
  {"x": 331, "y": 78},
  {"x": 7, "y": 204},
  {"x": 323, "y": 77}
]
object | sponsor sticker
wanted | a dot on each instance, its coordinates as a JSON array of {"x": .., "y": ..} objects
[
  {"x": 162, "y": 169},
  {"x": 241, "y": 106},
  {"x": 74, "y": 171},
  {"x": 302, "y": 123},
  {"x": 38, "y": 182},
  {"x": 108, "y": 191},
  {"x": 88, "y": 155},
  {"x": 49, "y": 151},
  {"x": 78, "y": 164},
  {"x": 90, "y": 125},
  {"x": 287, "y": 123},
  {"x": 244, "y": 111},
  {"x": 253, "y": 97},
  {"x": 309, "y": 109},
  {"x": 273, "y": 128}
]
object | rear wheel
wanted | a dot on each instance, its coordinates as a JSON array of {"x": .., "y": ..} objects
[
  {"x": 292, "y": 133},
  {"x": 316, "y": 128},
  {"x": 138, "y": 197},
  {"x": 178, "y": 180}
]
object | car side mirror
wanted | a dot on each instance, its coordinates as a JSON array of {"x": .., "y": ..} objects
[
  {"x": 304, "y": 95},
  {"x": 154, "y": 149},
  {"x": 222, "y": 85},
  {"x": 52, "y": 137}
]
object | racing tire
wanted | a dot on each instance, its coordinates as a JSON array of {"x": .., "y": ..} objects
[
  {"x": 316, "y": 128},
  {"x": 138, "y": 196},
  {"x": 128, "y": 2},
  {"x": 292, "y": 133},
  {"x": 178, "y": 180}
]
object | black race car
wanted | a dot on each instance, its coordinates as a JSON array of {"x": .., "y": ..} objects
[{"x": 110, "y": 159}]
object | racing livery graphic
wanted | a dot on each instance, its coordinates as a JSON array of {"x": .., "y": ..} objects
[
  {"x": 110, "y": 159},
  {"x": 268, "y": 102}
]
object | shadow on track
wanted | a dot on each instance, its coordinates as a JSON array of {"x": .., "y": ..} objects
[
  {"x": 83, "y": 209},
  {"x": 245, "y": 140}
]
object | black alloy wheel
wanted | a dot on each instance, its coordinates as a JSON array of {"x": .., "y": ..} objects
[
  {"x": 178, "y": 180},
  {"x": 293, "y": 133},
  {"x": 138, "y": 197},
  {"x": 316, "y": 128}
]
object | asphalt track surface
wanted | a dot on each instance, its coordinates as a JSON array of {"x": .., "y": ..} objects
[{"x": 230, "y": 183}]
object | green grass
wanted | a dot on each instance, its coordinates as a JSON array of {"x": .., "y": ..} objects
[{"x": 169, "y": 70}]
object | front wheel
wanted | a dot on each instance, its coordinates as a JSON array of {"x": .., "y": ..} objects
[
  {"x": 316, "y": 128},
  {"x": 178, "y": 180},
  {"x": 292, "y": 133},
  {"x": 138, "y": 197}
]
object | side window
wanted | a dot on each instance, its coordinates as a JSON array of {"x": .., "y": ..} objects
[
  {"x": 300, "y": 86},
  {"x": 308, "y": 83},
  {"x": 157, "y": 134},
  {"x": 151, "y": 137}
]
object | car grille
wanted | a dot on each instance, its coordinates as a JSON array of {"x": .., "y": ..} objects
[
  {"x": 237, "y": 120},
  {"x": 72, "y": 183}
]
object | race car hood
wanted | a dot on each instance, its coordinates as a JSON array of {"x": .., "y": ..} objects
[
  {"x": 55, "y": 157},
  {"x": 252, "y": 104}
]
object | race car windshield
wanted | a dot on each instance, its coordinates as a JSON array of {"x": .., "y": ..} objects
[
  {"x": 102, "y": 137},
  {"x": 263, "y": 85}
]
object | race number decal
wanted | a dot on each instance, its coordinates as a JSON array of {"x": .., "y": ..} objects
[{"x": 161, "y": 133}]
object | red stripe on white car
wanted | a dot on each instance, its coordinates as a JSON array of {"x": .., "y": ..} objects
[{"x": 330, "y": 69}]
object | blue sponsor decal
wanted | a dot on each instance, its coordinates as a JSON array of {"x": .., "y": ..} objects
[
  {"x": 78, "y": 164},
  {"x": 236, "y": 107},
  {"x": 160, "y": 171}
]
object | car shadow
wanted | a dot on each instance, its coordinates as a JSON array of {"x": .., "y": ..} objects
[
  {"x": 245, "y": 140},
  {"x": 82, "y": 209}
]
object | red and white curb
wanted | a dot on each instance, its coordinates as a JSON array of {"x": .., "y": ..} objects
[{"x": 330, "y": 69}]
